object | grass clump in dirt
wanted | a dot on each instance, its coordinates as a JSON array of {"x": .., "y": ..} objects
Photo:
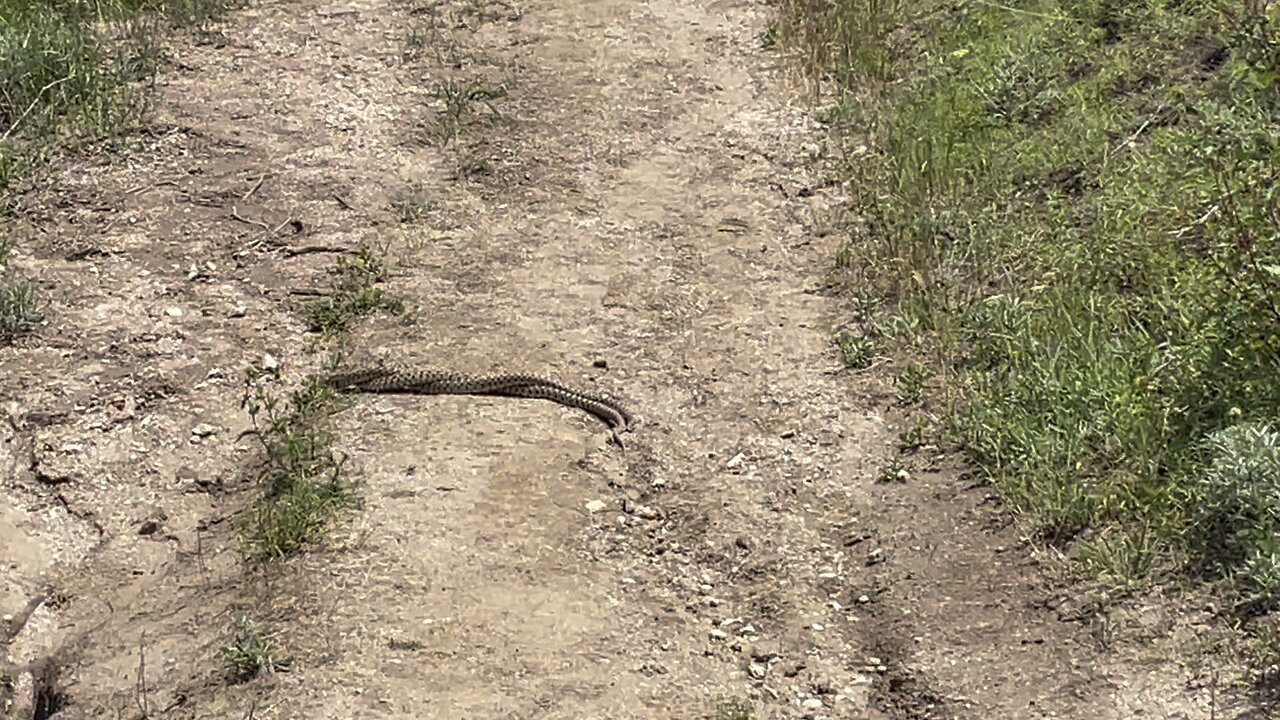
[
  {"x": 1072, "y": 207},
  {"x": 735, "y": 710},
  {"x": 459, "y": 105},
  {"x": 19, "y": 307},
  {"x": 73, "y": 72},
  {"x": 250, "y": 652},
  {"x": 304, "y": 481},
  {"x": 356, "y": 292}
]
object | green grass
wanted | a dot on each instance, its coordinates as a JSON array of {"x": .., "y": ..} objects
[
  {"x": 356, "y": 292},
  {"x": 19, "y": 306},
  {"x": 1071, "y": 209},
  {"x": 460, "y": 105},
  {"x": 74, "y": 72},
  {"x": 250, "y": 652},
  {"x": 304, "y": 482}
]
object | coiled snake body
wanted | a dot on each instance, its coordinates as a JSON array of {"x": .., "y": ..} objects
[{"x": 409, "y": 381}]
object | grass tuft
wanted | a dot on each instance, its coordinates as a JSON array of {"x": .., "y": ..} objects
[
  {"x": 355, "y": 293},
  {"x": 250, "y": 652},
  {"x": 305, "y": 483},
  {"x": 19, "y": 305},
  {"x": 735, "y": 710}
]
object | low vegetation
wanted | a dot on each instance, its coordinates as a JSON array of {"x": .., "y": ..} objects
[
  {"x": 74, "y": 74},
  {"x": 250, "y": 652},
  {"x": 303, "y": 479},
  {"x": 356, "y": 292},
  {"x": 77, "y": 72},
  {"x": 1071, "y": 210},
  {"x": 19, "y": 309}
]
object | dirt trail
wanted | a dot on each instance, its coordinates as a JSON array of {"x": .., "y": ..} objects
[{"x": 640, "y": 222}]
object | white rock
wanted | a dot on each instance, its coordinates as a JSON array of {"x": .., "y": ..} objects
[{"x": 595, "y": 506}]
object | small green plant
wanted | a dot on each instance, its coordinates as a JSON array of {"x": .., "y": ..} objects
[
  {"x": 908, "y": 386},
  {"x": 304, "y": 481},
  {"x": 856, "y": 351},
  {"x": 916, "y": 433},
  {"x": 19, "y": 306},
  {"x": 1236, "y": 521},
  {"x": 356, "y": 292},
  {"x": 1124, "y": 561},
  {"x": 735, "y": 710},
  {"x": 894, "y": 471},
  {"x": 768, "y": 38},
  {"x": 250, "y": 652},
  {"x": 457, "y": 103}
]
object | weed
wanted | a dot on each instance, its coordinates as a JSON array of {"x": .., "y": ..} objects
[
  {"x": 893, "y": 471},
  {"x": 1236, "y": 519},
  {"x": 457, "y": 103},
  {"x": 304, "y": 482},
  {"x": 19, "y": 305},
  {"x": 768, "y": 38},
  {"x": 250, "y": 652},
  {"x": 1123, "y": 560},
  {"x": 735, "y": 710},
  {"x": 908, "y": 386},
  {"x": 915, "y": 434},
  {"x": 355, "y": 293},
  {"x": 857, "y": 351},
  {"x": 413, "y": 207}
]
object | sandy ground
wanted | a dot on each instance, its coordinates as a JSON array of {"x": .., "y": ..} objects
[{"x": 642, "y": 218}]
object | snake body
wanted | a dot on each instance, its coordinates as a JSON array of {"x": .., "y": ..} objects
[{"x": 411, "y": 381}]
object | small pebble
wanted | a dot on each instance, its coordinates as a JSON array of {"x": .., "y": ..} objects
[
  {"x": 758, "y": 670},
  {"x": 646, "y": 512},
  {"x": 203, "y": 430},
  {"x": 719, "y": 634},
  {"x": 812, "y": 704},
  {"x": 173, "y": 312},
  {"x": 595, "y": 506}
]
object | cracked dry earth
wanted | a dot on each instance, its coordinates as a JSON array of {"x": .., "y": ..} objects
[{"x": 639, "y": 220}]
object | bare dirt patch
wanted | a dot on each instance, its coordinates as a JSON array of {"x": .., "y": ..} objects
[{"x": 640, "y": 221}]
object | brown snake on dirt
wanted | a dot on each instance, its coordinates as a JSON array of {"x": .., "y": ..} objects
[{"x": 408, "y": 381}]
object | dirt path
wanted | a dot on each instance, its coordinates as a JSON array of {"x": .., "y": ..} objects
[{"x": 640, "y": 222}]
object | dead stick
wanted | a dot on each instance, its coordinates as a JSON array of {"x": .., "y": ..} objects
[
  {"x": 236, "y": 215},
  {"x": 255, "y": 187}
]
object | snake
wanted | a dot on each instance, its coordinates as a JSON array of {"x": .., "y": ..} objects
[{"x": 430, "y": 381}]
